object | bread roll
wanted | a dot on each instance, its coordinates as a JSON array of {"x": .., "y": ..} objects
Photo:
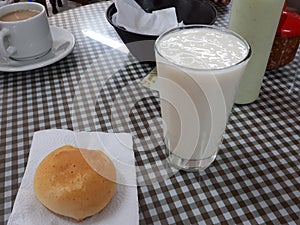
[{"x": 74, "y": 182}]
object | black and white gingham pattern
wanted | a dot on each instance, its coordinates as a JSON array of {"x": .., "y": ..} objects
[{"x": 254, "y": 180}]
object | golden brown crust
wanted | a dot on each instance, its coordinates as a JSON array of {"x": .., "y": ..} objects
[{"x": 68, "y": 185}]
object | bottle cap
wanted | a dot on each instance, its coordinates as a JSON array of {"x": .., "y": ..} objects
[{"x": 289, "y": 24}]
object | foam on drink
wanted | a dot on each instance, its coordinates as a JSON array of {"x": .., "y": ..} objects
[{"x": 202, "y": 48}]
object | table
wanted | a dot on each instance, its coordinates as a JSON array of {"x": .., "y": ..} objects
[{"x": 255, "y": 178}]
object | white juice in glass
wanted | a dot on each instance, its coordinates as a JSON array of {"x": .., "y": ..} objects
[
  {"x": 256, "y": 21},
  {"x": 199, "y": 68}
]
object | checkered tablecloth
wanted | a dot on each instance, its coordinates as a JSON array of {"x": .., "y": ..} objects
[{"x": 255, "y": 178}]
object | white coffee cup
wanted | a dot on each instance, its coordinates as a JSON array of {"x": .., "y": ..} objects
[{"x": 25, "y": 39}]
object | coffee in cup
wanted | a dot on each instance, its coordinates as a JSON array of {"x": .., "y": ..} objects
[
  {"x": 19, "y": 15},
  {"x": 24, "y": 31}
]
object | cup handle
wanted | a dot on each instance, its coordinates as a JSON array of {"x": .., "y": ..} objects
[{"x": 6, "y": 52}]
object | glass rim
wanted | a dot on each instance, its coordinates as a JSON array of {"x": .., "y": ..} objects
[{"x": 227, "y": 31}]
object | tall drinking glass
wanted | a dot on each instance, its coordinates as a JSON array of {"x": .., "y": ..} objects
[{"x": 199, "y": 68}]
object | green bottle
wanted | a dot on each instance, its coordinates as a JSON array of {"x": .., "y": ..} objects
[{"x": 256, "y": 21}]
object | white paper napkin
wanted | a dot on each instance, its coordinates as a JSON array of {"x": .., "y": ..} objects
[
  {"x": 123, "y": 208},
  {"x": 133, "y": 18}
]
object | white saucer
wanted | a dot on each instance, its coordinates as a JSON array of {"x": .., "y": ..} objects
[{"x": 63, "y": 44}]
